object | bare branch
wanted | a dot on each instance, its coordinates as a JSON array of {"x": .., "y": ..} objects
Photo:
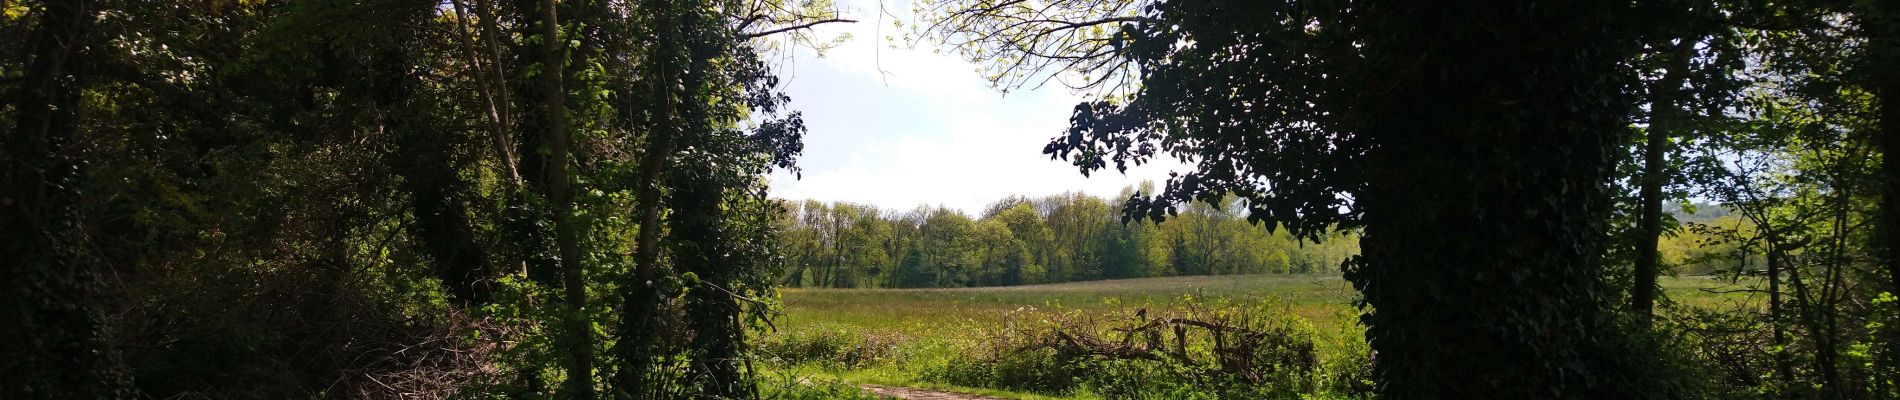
[{"x": 795, "y": 27}]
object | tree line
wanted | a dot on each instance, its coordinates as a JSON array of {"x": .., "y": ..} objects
[
  {"x": 1014, "y": 241},
  {"x": 1020, "y": 240}
]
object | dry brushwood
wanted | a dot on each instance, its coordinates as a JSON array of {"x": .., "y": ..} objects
[{"x": 1235, "y": 347}]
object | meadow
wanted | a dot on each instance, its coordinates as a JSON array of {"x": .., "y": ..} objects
[{"x": 933, "y": 338}]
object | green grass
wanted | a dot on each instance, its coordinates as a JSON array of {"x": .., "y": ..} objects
[
  {"x": 1320, "y": 298},
  {"x": 1707, "y": 292},
  {"x": 929, "y": 325}
]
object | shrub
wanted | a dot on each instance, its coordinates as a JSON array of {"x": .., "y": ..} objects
[
  {"x": 1211, "y": 351},
  {"x": 831, "y": 348},
  {"x": 1029, "y": 370}
]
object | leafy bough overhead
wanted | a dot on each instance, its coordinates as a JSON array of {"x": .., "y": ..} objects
[{"x": 1250, "y": 93}]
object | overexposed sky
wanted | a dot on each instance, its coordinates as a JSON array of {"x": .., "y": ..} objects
[{"x": 926, "y": 129}]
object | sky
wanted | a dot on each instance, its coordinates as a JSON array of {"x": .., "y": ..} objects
[{"x": 901, "y": 127}]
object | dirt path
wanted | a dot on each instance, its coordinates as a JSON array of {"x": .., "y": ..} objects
[{"x": 921, "y": 394}]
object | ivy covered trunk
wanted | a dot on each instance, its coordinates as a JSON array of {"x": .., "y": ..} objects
[
  {"x": 53, "y": 346},
  {"x": 1885, "y": 45},
  {"x": 701, "y": 248},
  {"x": 1494, "y": 126}
]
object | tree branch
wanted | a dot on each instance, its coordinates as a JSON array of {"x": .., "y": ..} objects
[
  {"x": 748, "y": 21},
  {"x": 795, "y": 27}
]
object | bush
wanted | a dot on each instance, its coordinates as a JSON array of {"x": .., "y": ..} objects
[
  {"x": 290, "y": 333},
  {"x": 1029, "y": 370},
  {"x": 830, "y": 348},
  {"x": 1208, "y": 351}
]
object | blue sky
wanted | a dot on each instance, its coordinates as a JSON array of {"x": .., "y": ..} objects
[{"x": 926, "y": 129}]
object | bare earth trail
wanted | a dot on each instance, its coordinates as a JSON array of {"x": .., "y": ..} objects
[{"x": 920, "y": 394}]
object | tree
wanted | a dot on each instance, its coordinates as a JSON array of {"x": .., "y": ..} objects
[
  {"x": 1688, "y": 66},
  {"x": 58, "y": 348},
  {"x": 1121, "y": 254},
  {"x": 1881, "y": 24},
  {"x": 1826, "y": 68},
  {"x": 641, "y": 296},
  {"x": 1075, "y": 220},
  {"x": 559, "y": 192},
  {"x": 708, "y": 80},
  {"x": 800, "y": 241},
  {"x": 947, "y": 247},
  {"x": 1475, "y": 135},
  {"x": 1802, "y": 222},
  {"x": 912, "y": 272},
  {"x": 860, "y": 250},
  {"x": 1664, "y": 119},
  {"x": 994, "y": 245},
  {"x": 1028, "y": 226}
]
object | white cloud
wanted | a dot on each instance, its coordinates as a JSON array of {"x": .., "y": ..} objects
[{"x": 927, "y": 129}]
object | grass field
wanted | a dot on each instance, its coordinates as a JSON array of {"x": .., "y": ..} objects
[{"x": 921, "y": 326}]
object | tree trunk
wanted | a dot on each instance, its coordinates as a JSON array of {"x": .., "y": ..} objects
[
  {"x": 1494, "y": 125},
  {"x": 1890, "y": 168},
  {"x": 53, "y": 346},
  {"x": 1884, "y": 43},
  {"x": 1811, "y": 310},
  {"x": 497, "y": 121},
  {"x": 527, "y": 225},
  {"x": 1783, "y": 367},
  {"x": 1665, "y": 118},
  {"x": 797, "y": 277},
  {"x": 710, "y": 305},
  {"x": 580, "y": 343},
  {"x": 641, "y": 297},
  {"x": 837, "y": 247}
]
